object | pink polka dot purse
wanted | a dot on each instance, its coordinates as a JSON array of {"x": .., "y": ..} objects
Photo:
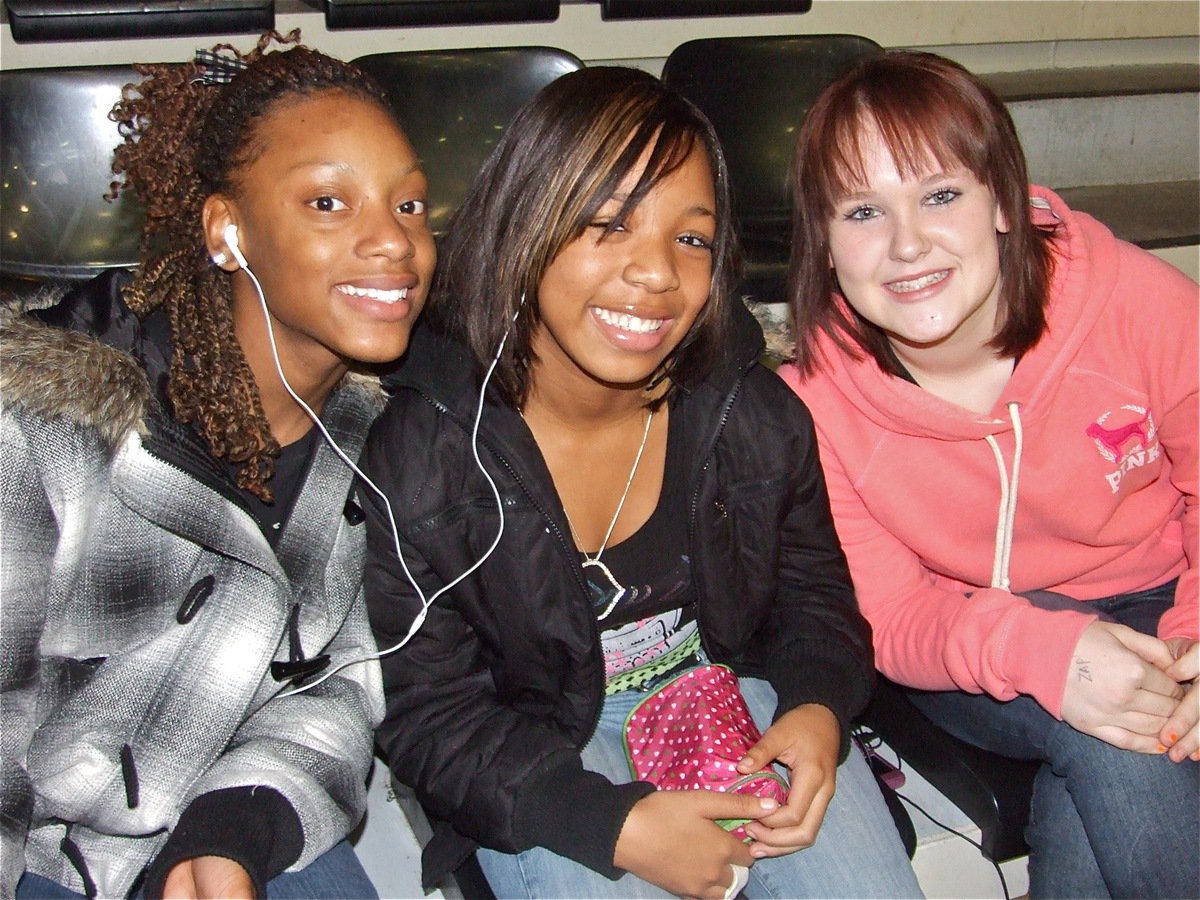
[{"x": 689, "y": 733}]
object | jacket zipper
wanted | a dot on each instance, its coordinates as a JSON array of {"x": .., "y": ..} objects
[
  {"x": 567, "y": 549},
  {"x": 693, "y": 512},
  {"x": 170, "y": 444}
]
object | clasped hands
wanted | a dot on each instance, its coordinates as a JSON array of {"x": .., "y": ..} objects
[
  {"x": 1135, "y": 691},
  {"x": 671, "y": 838}
]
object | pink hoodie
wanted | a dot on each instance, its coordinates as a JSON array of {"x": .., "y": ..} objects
[{"x": 1105, "y": 501}]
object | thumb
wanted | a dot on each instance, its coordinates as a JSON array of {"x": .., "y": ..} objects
[
  {"x": 717, "y": 805},
  {"x": 760, "y": 755},
  {"x": 1150, "y": 649},
  {"x": 1187, "y": 661}
]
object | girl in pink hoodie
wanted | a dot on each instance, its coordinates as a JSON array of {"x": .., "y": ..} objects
[{"x": 1006, "y": 403}]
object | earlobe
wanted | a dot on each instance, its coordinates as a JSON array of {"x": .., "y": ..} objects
[
  {"x": 216, "y": 216},
  {"x": 1002, "y": 226}
]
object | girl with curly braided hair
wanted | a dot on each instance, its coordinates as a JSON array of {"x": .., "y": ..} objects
[{"x": 181, "y": 549}]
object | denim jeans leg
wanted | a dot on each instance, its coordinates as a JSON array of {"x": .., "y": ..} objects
[
  {"x": 334, "y": 875},
  {"x": 541, "y": 873},
  {"x": 35, "y": 887},
  {"x": 858, "y": 852},
  {"x": 1124, "y": 800},
  {"x": 1140, "y": 813},
  {"x": 1137, "y": 814},
  {"x": 1069, "y": 870}
]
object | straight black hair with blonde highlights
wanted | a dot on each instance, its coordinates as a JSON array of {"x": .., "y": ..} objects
[{"x": 561, "y": 159}]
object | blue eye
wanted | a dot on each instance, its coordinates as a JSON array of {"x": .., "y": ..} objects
[
  {"x": 862, "y": 213},
  {"x": 942, "y": 196}
]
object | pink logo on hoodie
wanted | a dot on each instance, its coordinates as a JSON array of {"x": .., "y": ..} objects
[{"x": 1130, "y": 445}]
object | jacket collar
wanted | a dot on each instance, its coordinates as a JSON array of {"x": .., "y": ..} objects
[
  {"x": 442, "y": 371},
  {"x": 102, "y": 367}
]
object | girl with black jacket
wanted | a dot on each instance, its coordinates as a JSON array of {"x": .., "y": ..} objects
[{"x": 662, "y": 503}]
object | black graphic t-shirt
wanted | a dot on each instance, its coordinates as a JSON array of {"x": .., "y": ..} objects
[
  {"x": 654, "y": 620},
  {"x": 291, "y": 466}
]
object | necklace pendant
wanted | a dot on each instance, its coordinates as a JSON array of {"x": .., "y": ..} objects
[
  {"x": 618, "y": 589},
  {"x": 600, "y": 592}
]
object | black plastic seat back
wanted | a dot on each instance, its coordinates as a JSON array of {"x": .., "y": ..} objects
[
  {"x": 756, "y": 91},
  {"x": 403, "y": 13},
  {"x": 56, "y": 144},
  {"x": 661, "y": 9},
  {"x": 455, "y": 104},
  {"x": 66, "y": 20}
]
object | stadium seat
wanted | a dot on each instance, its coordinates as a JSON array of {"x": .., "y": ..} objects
[
  {"x": 56, "y": 154},
  {"x": 454, "y": 105},
  {"x": 756, "y": 91},
  {"x": 66, "y": 20},
  {"x": 663, "y": 9},
  {"x": 391, "y": 13}
]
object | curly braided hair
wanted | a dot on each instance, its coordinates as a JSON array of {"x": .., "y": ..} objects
[{"x": 183, "y": 140}]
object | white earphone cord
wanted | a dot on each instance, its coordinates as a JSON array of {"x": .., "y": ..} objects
[{"x": 425, "y": 602}]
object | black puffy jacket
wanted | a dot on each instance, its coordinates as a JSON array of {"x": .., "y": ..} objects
[{"x": 489, "y": 703}]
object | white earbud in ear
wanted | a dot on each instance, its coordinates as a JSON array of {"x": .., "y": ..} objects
[
  {"x": 231, "y": 241},
  {"x": 219, "y": 258}
]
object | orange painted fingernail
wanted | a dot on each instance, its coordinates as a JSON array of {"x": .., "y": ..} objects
[
  {"x": 1162, "y": 749},
  {"x": 1172, "y": 737}
]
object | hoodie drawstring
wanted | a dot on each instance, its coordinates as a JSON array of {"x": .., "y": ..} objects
[{"x": 1008, "y": 502}]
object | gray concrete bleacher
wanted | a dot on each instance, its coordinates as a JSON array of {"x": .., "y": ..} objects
[{"x": 1119, "y": 142}]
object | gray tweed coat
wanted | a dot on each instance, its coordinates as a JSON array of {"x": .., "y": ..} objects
[{"x": 141, "y": 611}]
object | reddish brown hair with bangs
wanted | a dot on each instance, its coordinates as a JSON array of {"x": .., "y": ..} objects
[{"x": 927, "y": 110}]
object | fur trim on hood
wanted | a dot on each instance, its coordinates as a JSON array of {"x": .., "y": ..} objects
[
  {"x": 56, "y": 373},
  {"x": 60, "y": 372}
]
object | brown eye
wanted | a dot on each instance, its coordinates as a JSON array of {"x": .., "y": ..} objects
[{"x": 326, "y": 203}]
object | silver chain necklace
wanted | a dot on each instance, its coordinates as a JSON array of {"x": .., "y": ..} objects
[{"x": 594, "y": 561}]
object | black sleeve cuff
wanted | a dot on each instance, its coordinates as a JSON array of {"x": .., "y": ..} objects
[
  {"x": 828, "y": 684},
  {"x": 576, "y": 813},
  {"x": 256, "y": 827}
]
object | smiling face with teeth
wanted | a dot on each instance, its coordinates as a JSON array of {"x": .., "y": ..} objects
[
  {"x": 331, "y": 217},
  {"x": 919, "y": 255},
  {"x": 617, "y": 301}
]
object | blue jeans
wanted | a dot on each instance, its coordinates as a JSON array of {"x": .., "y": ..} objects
[
  {"x": 1104, "y": 822},
  {"x": 333, "y": 875},
  {"x": 857, "y": 854}
]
